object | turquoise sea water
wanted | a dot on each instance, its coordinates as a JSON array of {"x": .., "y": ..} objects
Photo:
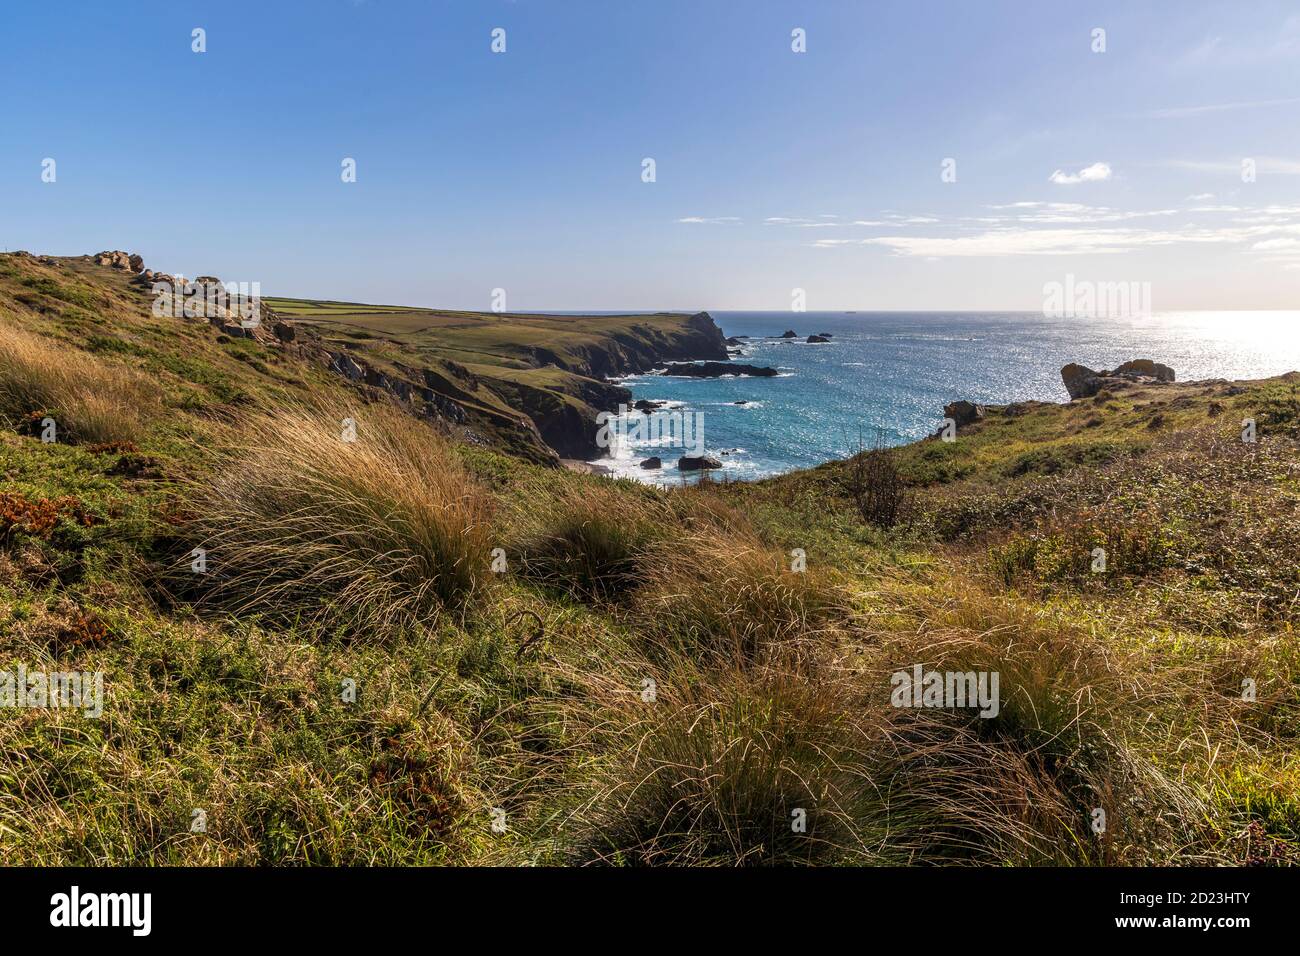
[{"x": 897, "y": 370}]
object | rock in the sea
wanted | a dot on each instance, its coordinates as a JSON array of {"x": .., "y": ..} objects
[
  {"x": 647, "y": 406},
  {"x": 654, "y": 462},
  {"x": 789, "y": 334},
  {"x": 717, "y": 369},
  {"x": 734, "y": 340},
  {"x": 815, "y": 339},
  {"x": 963, "y": 412},
  {"x": 697, "y": 463}
]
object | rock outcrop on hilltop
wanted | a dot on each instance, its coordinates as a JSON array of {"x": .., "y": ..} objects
[
  {"x": 128, "y": 262},
  {"x": 963, "y": 412},
  {"x": 1082, "y": 382}
]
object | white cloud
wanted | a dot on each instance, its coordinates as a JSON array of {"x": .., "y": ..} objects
[
  {"x": 708, "y": 220},
  {"x": 1097, "y": 172},
  {"x": 1271, "y": 244}
]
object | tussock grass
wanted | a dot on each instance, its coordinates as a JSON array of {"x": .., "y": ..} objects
[
  {"x": 585, "y": 537},
  {"x": 731, "y": 597},
  {"x": 373, "y": 537},
  {"x": 736, "y": 767},
  {"x": 1080, "y": 727},
  {"x": 91, "y": 400}
]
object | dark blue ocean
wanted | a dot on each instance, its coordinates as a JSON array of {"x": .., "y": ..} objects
[{"x": 896, "y": 371}]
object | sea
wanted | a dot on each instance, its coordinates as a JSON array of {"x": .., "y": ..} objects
[{"x": 889, "y": 374}]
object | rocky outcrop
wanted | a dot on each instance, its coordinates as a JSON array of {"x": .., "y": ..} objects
[
  {"x": 1082, "y": 382},
  {"x": 963, "y": 412},
  {"x": 117, "y": 259},
  {"x": 1145, "y": 368},
  {"x": 566, "y": 421},
  {"x": 717, "y": 369},
  {"x": 817, "y": 339},
  {"x": 788, "y": 334},
  {"x": 652, "y": 463}
]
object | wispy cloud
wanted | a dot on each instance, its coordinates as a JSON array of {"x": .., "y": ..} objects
[
  {"x": 1096, "y": 173},
  {"x": 1033, "y": 228},
  {"x": 1270, "y": 41},
  {"x": 708, "y": 220},
  {"x": 1063, "y": 213},
  {"x": 1263, "y": 164},
  {"x": 1181, "y": 111}
]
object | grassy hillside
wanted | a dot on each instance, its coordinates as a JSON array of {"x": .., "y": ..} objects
[
  {"x": 493, "y": 366},
  {"x": 417, "y": 648}
]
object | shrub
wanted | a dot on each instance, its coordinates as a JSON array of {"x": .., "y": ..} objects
[
  {"x": 876, "y": 486},
  {"x": 1062, "y": 550}
]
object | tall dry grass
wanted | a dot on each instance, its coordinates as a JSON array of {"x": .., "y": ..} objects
[
  {"x": 371, "y": 537},
  {"x": 89, "y": 399}
]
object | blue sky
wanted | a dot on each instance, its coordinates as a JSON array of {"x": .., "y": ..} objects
[{"x": 775, "y": 170}]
